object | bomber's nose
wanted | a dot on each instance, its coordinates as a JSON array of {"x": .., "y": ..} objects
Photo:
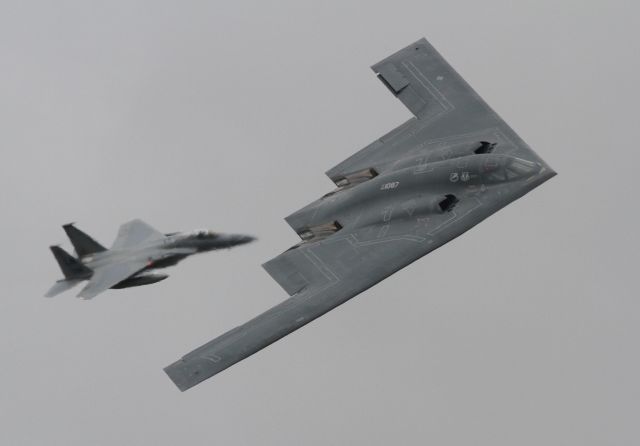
[{"x": 547, "y": 171}]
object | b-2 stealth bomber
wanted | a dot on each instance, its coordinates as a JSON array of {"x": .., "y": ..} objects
[
  {"x": 409, "y": 192},
  {"x": 136, "y": 253}
]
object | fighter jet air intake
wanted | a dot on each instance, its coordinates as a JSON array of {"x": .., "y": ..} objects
[
  {"x": 429, "y": 180},
  {"x": 136, "y": 253}
]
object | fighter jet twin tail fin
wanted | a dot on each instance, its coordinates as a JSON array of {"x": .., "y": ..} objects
[
  {"x": 74, "y": 271},
  {"x": 82, "y": 242}
]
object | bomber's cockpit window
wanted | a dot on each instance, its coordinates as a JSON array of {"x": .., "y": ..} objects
[
  {"x": 509, "y": 169},
  {"x": 519, "y": 168}
]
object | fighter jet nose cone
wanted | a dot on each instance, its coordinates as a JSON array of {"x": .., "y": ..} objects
[
  {"x": 249, "y": 239},
  {"x": 244, "y": 239}
]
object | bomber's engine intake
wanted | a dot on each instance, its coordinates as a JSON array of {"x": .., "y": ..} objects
[
  {"x": 355, "y": 177},
  {"x": 320, "y": 231},
  {"x": 485, "y": 147},
  {"x": 448, "y": 203}
]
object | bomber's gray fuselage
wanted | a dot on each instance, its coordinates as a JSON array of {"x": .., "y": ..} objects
[
  {"x": 423, "y": 188},
  {"x": 412, "y": 190}
]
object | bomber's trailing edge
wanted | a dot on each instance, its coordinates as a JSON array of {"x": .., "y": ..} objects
[
  {"x": 416, "y": 188},
  {"x": 136, "y": 253}
]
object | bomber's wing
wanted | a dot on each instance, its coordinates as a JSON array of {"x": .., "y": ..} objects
[
  {"x": 105, "y": 277},
  {"x": 318, "y": 277},
  {"x": 321, "y": 275},
  {"x": 446, "y": 109},
  {"x": 325, "y": 272},
  {"x": 134, "y": 233}
]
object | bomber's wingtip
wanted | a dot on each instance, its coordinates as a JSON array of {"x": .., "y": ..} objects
[
  {"x": 175, "y": 373},
  {"x": 548, "y": 172}
]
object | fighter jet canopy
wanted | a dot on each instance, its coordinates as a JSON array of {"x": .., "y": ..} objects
[{"x": 204, "y": 233}]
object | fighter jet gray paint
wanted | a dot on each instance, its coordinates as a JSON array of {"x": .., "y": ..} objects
[
  {"x": 411, "y": 191},
  {"x": 133, "y": 258}
]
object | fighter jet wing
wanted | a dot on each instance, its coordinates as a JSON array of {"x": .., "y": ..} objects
[
  {"x": 105, "y": 277},
  {"x": 386, "y": 223},
  {"x": 134, "y": 233}
]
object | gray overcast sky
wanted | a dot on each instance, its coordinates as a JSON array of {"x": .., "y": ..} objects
[{"x": 225, "y": 115}]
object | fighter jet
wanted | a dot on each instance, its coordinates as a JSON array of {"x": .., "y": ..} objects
[
  {"x": 136, "y": 253},
  {"x": 409, "y": 192}
]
